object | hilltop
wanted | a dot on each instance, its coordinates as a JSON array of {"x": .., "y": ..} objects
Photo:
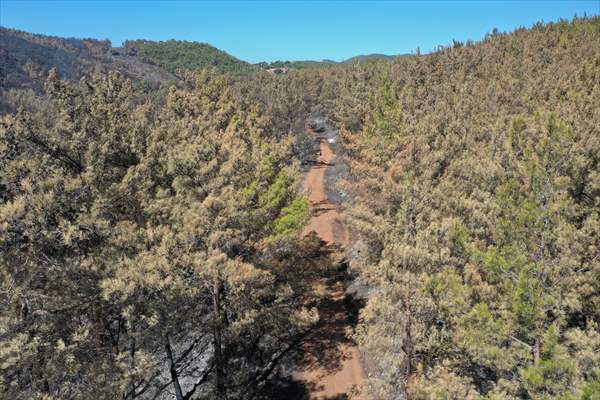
[
  {"x": 26, "y": 59},
  {"x": 173, "y": 55},
  {"x": 305, "y": 64}
]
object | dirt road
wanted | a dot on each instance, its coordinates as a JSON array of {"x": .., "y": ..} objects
[{"x": 331, "y": 365}]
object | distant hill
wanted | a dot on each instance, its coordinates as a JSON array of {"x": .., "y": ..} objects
[
  {"x": 303, "y": 64},
  {"x": 369, "y": 57},
  {"x": 176, "y": 54},
  {"x": 26, "y": 58}
]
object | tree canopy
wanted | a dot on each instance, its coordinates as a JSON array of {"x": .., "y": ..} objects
[{"x": 150, "y": 237}]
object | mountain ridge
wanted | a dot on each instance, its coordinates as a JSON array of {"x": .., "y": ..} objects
[{"x": 27, "y": 57}]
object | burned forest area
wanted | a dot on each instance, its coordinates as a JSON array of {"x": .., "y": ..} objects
[{"x": 176, "y": 223}]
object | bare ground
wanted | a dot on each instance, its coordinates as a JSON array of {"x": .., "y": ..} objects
[{"x": 331, "y": 366}]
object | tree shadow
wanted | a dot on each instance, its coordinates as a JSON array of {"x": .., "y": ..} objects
[
  {"x": 286, "y": 387},
  {"x": 327, "y": 345},
  {"x": 317, "y": 164},
  {"x": 322, "y": 207}
]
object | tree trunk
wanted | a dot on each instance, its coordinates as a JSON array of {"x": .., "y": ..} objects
[
  {"x": 408, "y": 350},
  {"x": 217, "y": 341},
  {"x": 536, "y": 352},
  {"x": 173, "y": 370},
  {"x": 131, "y": 394}
]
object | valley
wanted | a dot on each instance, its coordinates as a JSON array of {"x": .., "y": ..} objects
[{"x": 177, "y": 223}]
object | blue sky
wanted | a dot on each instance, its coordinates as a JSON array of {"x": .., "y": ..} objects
[{"x": 294, "y": 30}]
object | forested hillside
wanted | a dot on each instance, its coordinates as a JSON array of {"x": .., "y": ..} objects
[
  {"x": 326, "y": 63},
  {"x": 476, "y": 183},
  {"x": 26, "y": 58},
  {"x": 175, "y": 54},
  {"x": 150, "y": 239}
]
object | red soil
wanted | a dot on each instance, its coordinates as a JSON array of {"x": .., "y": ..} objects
[{"x": 331, "y": 366}]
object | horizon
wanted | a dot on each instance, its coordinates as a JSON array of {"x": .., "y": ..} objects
[{"x": 275, "y": 31}]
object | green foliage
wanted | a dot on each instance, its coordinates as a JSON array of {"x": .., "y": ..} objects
[
  {"x": 591, "y": 391},
  {"x": 553, "y": 377},
  {"x": 174, "y": 55},
  {"x": 494, "y": 264},
  {"x": 292, "y": 218},
  {"x": 529, "y": 301},
  {"x": 278, "y": 192}
]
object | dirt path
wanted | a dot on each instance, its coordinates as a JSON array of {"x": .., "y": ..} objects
[
  {"x": 331, "y": 365},
  {"x": 326, "y": 221}
]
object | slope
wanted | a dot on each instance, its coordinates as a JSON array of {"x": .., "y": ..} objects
[
  {"x": 26, "y": 58},
  {"x": 176, "y": 54}
]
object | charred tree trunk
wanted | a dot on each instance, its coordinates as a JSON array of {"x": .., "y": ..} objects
[
  {"x": 217, "y": 341},
  {"x": 131, "y": 394},
  {"x": 173, "y": 370}
]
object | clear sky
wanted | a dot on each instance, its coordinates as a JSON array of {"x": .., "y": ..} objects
[{"x": 293, "y": 30}]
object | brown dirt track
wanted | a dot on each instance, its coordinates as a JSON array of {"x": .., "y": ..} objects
[{"x": 331, "y": 365}]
